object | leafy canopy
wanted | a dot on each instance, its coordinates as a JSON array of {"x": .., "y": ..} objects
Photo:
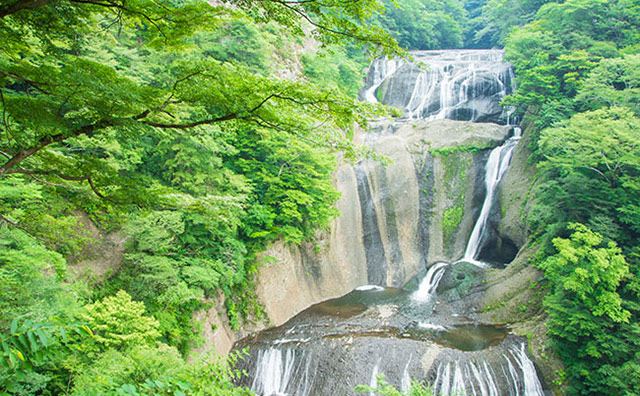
[
  {"x": 118, "y": 322},
  {"x": 59, "y": 103}
]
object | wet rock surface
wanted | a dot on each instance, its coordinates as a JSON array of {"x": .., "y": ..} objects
[
  {"x": 336, "y": 345},
  {"x": 465, "y": 85}
]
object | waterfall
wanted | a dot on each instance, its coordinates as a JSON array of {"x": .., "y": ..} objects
[
  {"x": 429, "y": 283},
  {"x": 372, "y": 239},
  {"x": 273, "y": 372},
  {"x": 380, "y": 69},
  {"x": 457, "y": 84},
  {"x": 477, "y": 378},
  {"x": 335, "y": 345},
  {"x": 496, "y": 167},
  {"x": 405, "y": 385},
  {"x": 279, "y": 373},
  {"x": 374, "y": 376},
  {"x": 532, "y": 386}
]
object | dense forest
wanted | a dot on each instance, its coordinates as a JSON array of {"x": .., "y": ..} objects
[{"x": 201, "y": 133}]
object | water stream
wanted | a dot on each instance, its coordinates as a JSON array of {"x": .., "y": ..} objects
[
  {"x": 462, "y": 85},
  {"x": 404, "y": 334}
]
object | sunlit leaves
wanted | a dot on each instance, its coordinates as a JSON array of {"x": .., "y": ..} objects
[
  {"x": 615, "y": 82},
  {"x": 592, "y": 272},
  {"x": 119, "y": 322}
]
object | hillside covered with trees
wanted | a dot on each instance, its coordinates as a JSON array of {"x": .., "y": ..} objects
[
  {"x": 165, "y": 121},
  {"x": 204, "y": 132}
]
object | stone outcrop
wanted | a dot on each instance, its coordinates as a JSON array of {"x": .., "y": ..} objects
[{"x": 392, "y": 218}]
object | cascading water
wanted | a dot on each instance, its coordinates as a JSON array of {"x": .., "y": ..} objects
[
  {"x": 378, "y": 72},
  {"x": 462, "y": 85},
  {"x": 496, "y": 167},
  {"x": 429, "y": 283},
  {"x": 333, "y": 346}
]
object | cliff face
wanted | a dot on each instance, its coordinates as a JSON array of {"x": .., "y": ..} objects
[
  {"x": 395, "y": 219},
  {"x": 398, "y": 218}
]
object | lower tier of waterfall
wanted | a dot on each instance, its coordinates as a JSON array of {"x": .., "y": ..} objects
[{"x": 336, "y": 345}]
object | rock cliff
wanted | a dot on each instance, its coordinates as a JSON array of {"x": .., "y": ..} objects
[{"x": 395, "y": 219}]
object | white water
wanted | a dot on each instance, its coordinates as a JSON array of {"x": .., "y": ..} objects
[
  {"x": 429, "y": 283},
  {"x": 431, "y": 326},
  {"x": 275, "y": 369},
  {"x": 374, "y": 376},
  {"x": 405, "y": 385},
  {"x": 370, "y": 287},
  {"x": 273, "y": 372},
  {"x": 496, "y": 167},
  {"x": 479, "y": 379},
  {"x": 380, "y": 70},
  {"x": 532, "y": 386},
  {"x": 471, "y": 81}
]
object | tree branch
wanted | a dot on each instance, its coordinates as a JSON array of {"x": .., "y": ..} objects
[
  {"x": 32, "y": 172},
  {"x": 47, "y": 140},
  {"x": 31, "y": 83},
  {"x": 191, "y": 124},
  {"x": 40, "y": 172}
]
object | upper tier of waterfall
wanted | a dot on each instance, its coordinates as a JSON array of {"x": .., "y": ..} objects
[{"x": 465, "y": 85}]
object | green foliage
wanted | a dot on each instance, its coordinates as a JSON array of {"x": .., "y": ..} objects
[
  {"x": 30, "y": 277},
  {"x": 291, "y": 181},
  {"x": 590, "y": 274},
  {"x": 591, "y": 166},
  {"x": 613, "y": 83},
  {"x": 118, "y": 322},
  {"x": 593, "y": 314},
  {"x": 554, "y": 53},
  {"x": 145, "y": 370},
  {"x": 32, "y": 354},
  {"x": 446, "y": 151},
  {"x": 425, "y": 24},
  {"x": 451, "y": 219},
  {"x": 336, "y": 67},
  {"x": 117, "y": 90},
  {"x": 499, "y": 17}
]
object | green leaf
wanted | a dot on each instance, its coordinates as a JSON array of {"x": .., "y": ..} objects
[
  {"x": 63, "y": 334},
  {"x": 14, "y": 326},
  {"x": 44, "y": 339},
  {"x": 22, "y": 342},
  {"x": 33, "y": 342}
]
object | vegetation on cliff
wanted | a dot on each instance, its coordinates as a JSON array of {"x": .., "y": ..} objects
[
  {"x": 577, "y": 69},
  {"x": 163, "y": 120}
]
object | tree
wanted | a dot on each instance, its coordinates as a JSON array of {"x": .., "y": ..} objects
[
  {"x": 593, "y": 311},
  {"x": 589, "y": 273},
  {"x": 425, "y": 24},
  {"x": 591, "y": 166},
  {"x": 500, "y": 16},
  {"x": 59, "y": 104},
  {"x": 118, "y": 322},
  {"x": 613, "y": 83},
  {"x": 553, "y": 54}
]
